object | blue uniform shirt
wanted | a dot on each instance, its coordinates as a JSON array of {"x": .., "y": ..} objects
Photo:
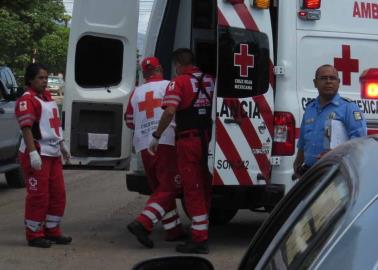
[{"x": 313, "y": 139}]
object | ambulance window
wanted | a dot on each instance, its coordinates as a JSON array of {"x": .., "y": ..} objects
[
  {"x": 206, "y": 56},
  {"x": 243, "y": 59},
  {"x": 203, "y": 16},
  {"x": 98, "y": 62}
]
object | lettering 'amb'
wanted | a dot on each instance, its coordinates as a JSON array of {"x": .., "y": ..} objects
[{"x": 365, "y": 10}]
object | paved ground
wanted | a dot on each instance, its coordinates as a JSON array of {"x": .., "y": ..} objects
[{"x": 98, "y": 208}]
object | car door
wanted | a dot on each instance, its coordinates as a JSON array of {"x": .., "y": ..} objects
[
  {"x": 9, "y": 130},
  {"x": 300, "y": 226},
  {"x": 242, "y": 145},
  {"x": 100, "y": 75}
]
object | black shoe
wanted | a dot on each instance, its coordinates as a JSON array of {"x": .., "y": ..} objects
[
  {"x": 59, "y": 240},
  {"x": 193, "y": 247},
  {"x": 141, "y": 233},
  {"x": 39, "y": 242}
]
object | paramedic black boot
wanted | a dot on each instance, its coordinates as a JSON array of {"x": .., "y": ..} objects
[
  {"x": 141, "y": 234},
  {"x": 193, "y": 247},
  {"x": 59, "y": 240},
  {"x": 39, "y": 242}
]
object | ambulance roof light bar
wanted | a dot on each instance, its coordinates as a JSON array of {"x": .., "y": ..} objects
[
  {"x": 310, "y": 10},
  {"x": 261, "y": 4},
  {"x": 369, "y": 84}
]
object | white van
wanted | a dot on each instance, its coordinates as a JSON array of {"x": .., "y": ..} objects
[{"x": 263, "y": 55}]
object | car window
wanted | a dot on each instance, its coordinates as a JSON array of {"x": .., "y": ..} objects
[
  {"x": 9, "y": 81},
  {"x": 287, "y": 211},
  {"x": 308, "y": 234}
]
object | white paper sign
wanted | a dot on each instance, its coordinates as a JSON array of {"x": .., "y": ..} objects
[
  {"x": 338, "y": 133},
  {"x": 98, "y": 141}
]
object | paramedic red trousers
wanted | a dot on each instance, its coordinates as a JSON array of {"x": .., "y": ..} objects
[
  {"x": 165, "y": 183},
  {"x": 196, "y": 182},
  {"x": 46, "y": 197}
]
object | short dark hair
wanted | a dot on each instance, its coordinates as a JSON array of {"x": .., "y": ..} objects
[
  {"x": 323, "y": 66},
  {"x": 31, "y": 72},
  {"x": 150, "y": 72},
  {"x": 183, "y": 56}
]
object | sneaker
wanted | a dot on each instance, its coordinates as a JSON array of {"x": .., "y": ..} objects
[
  {"x": 141, "y": 234},
  {"x": 193, "y": 247},
  {"x": 39, "y": 242},
  {"x": 59, "y": 240}
]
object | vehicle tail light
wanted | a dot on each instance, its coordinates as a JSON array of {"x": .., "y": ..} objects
[
  {"x": 311, "y": 4},
  {"x": 261, "y": 4},
  {"x": 369, "y": 84},
  {"x": 284, "y": 134}
]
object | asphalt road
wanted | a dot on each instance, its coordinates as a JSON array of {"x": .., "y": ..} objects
[{"x": 98, "y": 209}]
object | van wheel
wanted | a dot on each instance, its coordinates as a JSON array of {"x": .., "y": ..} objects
[
  {"x": 219, "y": 216},
  {"x": 15, "y": 178}
]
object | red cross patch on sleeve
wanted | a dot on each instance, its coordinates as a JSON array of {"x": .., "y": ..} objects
[
  {"x": 171, "y": 86},
  {"x": 23, "y": 106}
]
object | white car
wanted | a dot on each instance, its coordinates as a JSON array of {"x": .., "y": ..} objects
[
  {"x": 10, "y": 135},
  {"x": 55, "y": 85}
]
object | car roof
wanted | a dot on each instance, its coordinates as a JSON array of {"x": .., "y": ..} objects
[{"x": 352, "y": 245}]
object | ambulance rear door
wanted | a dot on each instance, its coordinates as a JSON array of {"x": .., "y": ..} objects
[
  {"x": 244, "y": 102},
  {"x": 101, "y": 73}
]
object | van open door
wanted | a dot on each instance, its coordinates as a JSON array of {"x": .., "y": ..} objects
[
  {"x": 242, "y": 141},
  {"x": 101, "y": 73}
]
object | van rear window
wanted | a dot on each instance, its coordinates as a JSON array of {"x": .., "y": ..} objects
[
  {"x": 98, "y": 62},
  {"x": 243, "y": 59}
]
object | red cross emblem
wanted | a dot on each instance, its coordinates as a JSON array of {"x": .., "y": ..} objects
[
  {"x": 55, "y": 122},
  {"x": 346, "y": 65},
  {"x": 244, "y": 60},
  {"x": 149, "y": 104}
]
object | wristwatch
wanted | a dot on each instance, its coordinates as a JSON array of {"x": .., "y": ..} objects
[{"x": 155, "y": 136}]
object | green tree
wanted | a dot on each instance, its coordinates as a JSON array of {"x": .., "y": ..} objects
[
  {"x": 52, "y": 50},
  {"x": 23, "y": 27}
]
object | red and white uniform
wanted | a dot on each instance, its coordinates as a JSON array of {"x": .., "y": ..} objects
[
  {"x": 191, "y": 144},
  {"x": 46, "y": 197},
  {"x": 143, "y": 115}
]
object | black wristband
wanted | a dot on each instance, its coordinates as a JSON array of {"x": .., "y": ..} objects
[{"x": 155, "y": 136}]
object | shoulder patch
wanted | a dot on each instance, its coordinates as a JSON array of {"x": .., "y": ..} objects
[
  {"x": 357, "y": 115},
  {"x": 23, "y": 106},
  {"x": 171, "y": 86},
  {"x": 347, "y": 99}
]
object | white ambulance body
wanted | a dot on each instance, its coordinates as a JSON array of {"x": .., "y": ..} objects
[{"x": 263, "y": 60}]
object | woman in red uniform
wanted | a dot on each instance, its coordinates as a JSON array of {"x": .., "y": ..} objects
[{"x": 40, "y": 157}]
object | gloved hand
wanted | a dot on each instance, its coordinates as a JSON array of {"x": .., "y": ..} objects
[
  {"x": 65, "y": 152},
  {"x": 35, "y": 160},
  {"x": 152, "y": 149}
]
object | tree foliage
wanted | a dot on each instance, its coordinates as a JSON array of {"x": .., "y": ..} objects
[{"x": 33, "y": 29}]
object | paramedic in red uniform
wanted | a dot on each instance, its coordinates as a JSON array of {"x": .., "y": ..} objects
[
  {"x": 189, "y": 99},
  {"x": 40, "y": 157},
  {"x": 142, "y": 115}
]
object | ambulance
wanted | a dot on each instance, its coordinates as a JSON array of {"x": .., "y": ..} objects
[{"x": 263, "y": 54}]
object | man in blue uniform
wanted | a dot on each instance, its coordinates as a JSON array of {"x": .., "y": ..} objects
[{"x": 314, "y": 134}]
